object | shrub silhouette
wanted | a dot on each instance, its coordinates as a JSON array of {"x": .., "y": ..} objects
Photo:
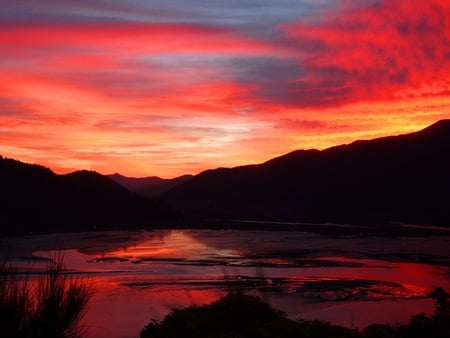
[
  {"x": 51, "y": 307},
  {"x": 421, "y": 325},
  {"x": 242, "y": 316},
  {"x": 15, "y": 304},
  {"x": 238, "y": 316}
]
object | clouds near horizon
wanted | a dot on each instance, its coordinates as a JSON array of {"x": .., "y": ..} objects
[{"x": 166, "y": 89}]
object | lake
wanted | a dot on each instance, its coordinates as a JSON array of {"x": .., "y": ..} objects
[{"x": 350, "y": 280}]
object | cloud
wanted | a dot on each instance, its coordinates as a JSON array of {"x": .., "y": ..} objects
[
  {"x": 158, "y": 87},
  {"x": 374, "y": 50},
  {"x": 123, "y": 60},
  {"x": 249, "y": 15},
  {"x": 127, "y": 38}
]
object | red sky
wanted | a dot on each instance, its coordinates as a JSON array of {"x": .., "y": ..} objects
[{"x": 173, "y": 87}]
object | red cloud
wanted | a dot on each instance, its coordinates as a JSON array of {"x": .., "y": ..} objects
[
  {"x": 127, "y": 38},
  {"x": 390, "y": 49},
  {"x": 192, "y": 96}
]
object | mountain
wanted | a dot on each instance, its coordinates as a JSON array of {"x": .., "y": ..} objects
[
  {"x": 402, "y": 178},
  {"x": 33, "y": 198},
  {"x": 151, "y": 186}
]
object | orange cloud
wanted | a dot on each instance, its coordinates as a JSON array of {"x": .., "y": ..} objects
[{"x": 173, "y": 98}]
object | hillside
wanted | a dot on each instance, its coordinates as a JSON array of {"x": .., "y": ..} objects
[
  {"x": 33, "y": 198},
  {"x": 151, "y": 186},
  {"x": 400, "y": 178}
]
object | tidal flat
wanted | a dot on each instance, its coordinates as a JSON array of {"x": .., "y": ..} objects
[{"x": 352, "y": 280}]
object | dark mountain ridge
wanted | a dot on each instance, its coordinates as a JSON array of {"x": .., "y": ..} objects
[
  {"x": 33, "y": 198},
  {"x": 398, "y": 178},
  {"x": 150, "y": 186}
]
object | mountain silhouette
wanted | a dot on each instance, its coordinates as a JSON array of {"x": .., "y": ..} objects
[
  {"x": 401, "y": 178},
  {"x": 33, "y": 198},
  {"x": 150, "y": 186}
]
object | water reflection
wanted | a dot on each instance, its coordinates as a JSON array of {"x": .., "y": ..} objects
[
  {"x": 140, "y": 275},
  {"x": 282, "y": 262}
]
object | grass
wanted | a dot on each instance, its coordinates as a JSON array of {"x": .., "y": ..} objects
[
  {"x": 15, "y": 304},
  {"x": 52, "y": 307}
]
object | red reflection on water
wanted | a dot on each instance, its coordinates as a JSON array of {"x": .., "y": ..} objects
[
  {"x": 374, "y": 279},
  {"x": 118, "y": 311},
  {"x": 175, "y": 246},
  {"x": 128, "y": 295}
]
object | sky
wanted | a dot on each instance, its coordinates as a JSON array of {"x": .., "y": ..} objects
[{"x": 166, "y": 88}]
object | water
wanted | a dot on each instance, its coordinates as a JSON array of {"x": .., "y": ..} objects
[{"x": 352, "y": 281}]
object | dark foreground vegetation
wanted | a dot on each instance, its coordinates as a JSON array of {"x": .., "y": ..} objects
[
  {"x": 48, "y": 308},
  {"x": 243, "y": 316}
]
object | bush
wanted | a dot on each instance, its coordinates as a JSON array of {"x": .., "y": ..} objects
[
  {"x": 15, "y": 306},
  {"x": 241, "y": 316},
  {"x": 238, "y": 316},
  {"x": 52, "y": 307}
]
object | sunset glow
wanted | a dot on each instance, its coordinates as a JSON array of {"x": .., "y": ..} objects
[{"x": 171, "y": 87}]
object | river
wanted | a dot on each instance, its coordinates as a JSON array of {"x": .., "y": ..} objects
[{"x": 348, "y": 280}]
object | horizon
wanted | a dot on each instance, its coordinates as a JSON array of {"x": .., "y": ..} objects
[
  {"x": 162, "y": 89},
  {"x": 215, "y": 167}
]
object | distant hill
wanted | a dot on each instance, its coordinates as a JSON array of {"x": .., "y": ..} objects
[
  {"x": 33, "y": 198},
  {"x": 402, "y": 178},
  {"x": 151, "y": 186}
]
